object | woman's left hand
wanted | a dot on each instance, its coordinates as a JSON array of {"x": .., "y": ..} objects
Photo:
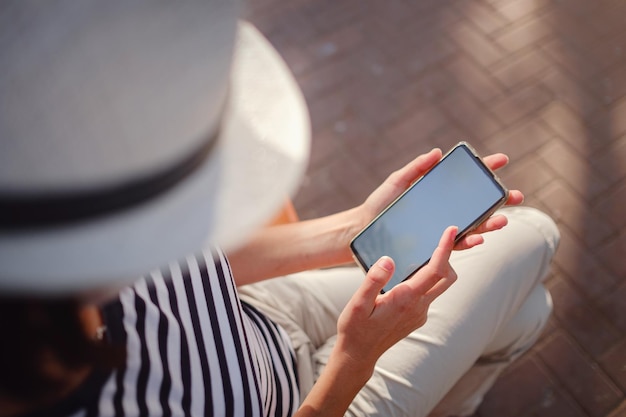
[{"x": 402, "y": 179}]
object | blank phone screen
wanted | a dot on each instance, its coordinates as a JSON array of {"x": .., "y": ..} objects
[{"x": 456, "y": 192}]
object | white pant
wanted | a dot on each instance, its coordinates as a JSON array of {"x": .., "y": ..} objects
[{"x": 492, "y": 314}]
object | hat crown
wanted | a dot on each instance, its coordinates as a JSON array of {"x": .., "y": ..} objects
[{"x": 100, "y": 93}]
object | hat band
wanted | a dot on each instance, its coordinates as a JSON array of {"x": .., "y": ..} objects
[{"x": 27, "y": 212}]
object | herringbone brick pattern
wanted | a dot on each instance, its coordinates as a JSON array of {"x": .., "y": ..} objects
[{"x": 542, "y": 80}]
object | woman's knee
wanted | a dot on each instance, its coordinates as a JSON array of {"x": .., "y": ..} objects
[
  {"x": 538, "y": 220},
  {"x": 520, "y": 332}
]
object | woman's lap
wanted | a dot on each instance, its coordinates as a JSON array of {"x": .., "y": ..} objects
[{"x": 476, "y": 318}]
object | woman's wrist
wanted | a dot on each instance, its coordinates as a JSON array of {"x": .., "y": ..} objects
[
  {"x": 358, "y": 368},
  {"x": 355, "y": 220},
  {"x": 342, "y": 379}
]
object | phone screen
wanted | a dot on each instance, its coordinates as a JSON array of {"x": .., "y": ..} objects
[{"x": 459, "y": 191}]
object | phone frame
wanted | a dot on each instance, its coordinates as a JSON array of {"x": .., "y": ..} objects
[{"x": 461, "y": 233}]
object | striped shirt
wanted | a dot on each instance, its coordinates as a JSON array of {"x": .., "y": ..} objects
[{"x": 193, "y": 349}]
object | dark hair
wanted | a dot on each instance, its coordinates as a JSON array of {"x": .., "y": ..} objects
[{"x": 36, "y": 331}]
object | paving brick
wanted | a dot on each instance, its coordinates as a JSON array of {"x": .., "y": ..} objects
[
  {"x": 327, "y": 109},
  {"x": 352, "y": 179},
  {"x": 567, "y": 207},
  {"x": 527, "y": 388},
  {"x": 426, "y": 53},
  {"x": 327, "y": 18},
  {"x": 582, "y": 8},
  {"x": 516, "y": 10},
  {"x": 415, "y": 127},
  {"x": 327, "y": 78},
  {"x": 446, "y": 137},
  {"x": 581, "y": 266},
  {"x": 612, "y": 253},
  {"x": 527, "y": 175},
  {"x": 392, "y": 11},
  {"x": 611, "y": 87},
  {"x": 570, "y": 128},
  {"x": 528, "y": 32},
  {"x": 315, "y": 203},
  {"x": 594, "y": 391},
  {"x": 356, "y": 136},
  {"x": 608, "y": 20},
  {"x": 433, "y": 86},
  {"x": 336, "y": 43},
  {"x": 574, "y": 169},
  {"x": 619, "y": 411},
  {"x": 613, "y": 205},
  {"x": 570, "y": 60},
  {"x": 520, "y": 140},
  {"x": 580, "y": 318},
  {"x": 476, "y": 45},
  {"x": 613, "y": 306},
  {"x": 485, "y": 17},
  {"x": 470, "y": 115},
  {"x": 610, "y": 52},
  {"x": 436, "y": 19},
  {"x": 609, "y": 162},
  {"x": 381, "y": 110},
  {"x": 341, "y": 184},
  {"x": 479, "y": 83},
  {"x": 572, "y": 28},
  {"x": 614, "y": 364},
  {"x": 521, "y": 103},
  {"x": 617, "y": 119},
  {"x": 521, "y": 67},
  {"x": 572, "y": 94},
  {"x": 374, "y": 74}
]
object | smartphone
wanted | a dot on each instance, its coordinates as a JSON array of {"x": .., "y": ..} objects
[{"x": 460, "y": 190}]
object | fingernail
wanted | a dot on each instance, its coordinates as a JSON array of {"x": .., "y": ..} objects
[{"x": 385, "y": 263}]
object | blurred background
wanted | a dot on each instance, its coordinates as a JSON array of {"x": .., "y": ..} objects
[{"x": 542, "y": 80}]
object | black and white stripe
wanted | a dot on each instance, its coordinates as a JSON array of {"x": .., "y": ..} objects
[{"x": 193, "y": 349}]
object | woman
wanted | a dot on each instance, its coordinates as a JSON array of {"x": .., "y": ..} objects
[{"x": 130, "y": 142}]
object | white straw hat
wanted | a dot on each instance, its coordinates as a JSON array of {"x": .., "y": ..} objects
[{"x": 128, "y": 140}]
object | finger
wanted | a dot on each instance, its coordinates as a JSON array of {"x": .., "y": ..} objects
[
  {"x": 515, "y": 197},
  {"x": 436, "y": 268},
  {"x": 495, "y": 222},
  {"x": 474, "y": 237},
  {"x": 496, "y": 161},
  {"x": 441, "y": 255},
  {"x": 441, "y": 286},
  {"x": 379, "y": 274},
  {"x": 415, "y": 169},
  {"x": 469, "y": 242}
]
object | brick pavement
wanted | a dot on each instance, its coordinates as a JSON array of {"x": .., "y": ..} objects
[{"x": 542, "y": 80}]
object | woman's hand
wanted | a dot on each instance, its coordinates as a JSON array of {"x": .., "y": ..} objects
[
  {"x": 372, "y": 322},
  {"x": 402, "y": 179}
]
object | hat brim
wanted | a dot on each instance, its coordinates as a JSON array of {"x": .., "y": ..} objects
[{"x": 258, "y": 162}]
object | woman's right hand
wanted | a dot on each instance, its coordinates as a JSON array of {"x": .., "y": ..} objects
[{"x": 372, "y": 322}]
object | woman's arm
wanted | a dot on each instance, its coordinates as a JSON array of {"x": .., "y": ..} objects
[{"x": 294, "y": 247}]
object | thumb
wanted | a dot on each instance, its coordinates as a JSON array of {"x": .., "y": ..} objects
[{"x": 379, "y": 274}]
